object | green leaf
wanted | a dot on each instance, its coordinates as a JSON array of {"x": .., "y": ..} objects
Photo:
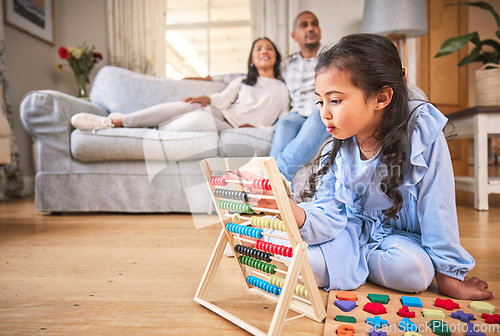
[
  {"x": 491, "y": 43},
  {"x": 482, "y": 5},
  {"x": 474, "y": 56},
  {"x": 455, "y": 43}
]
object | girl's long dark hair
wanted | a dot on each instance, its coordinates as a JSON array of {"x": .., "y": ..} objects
[
  {"x": 252, "y": 73},
  {"x": 373, "y": 63}
]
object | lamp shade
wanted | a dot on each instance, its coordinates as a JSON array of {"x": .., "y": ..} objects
[{"x": 387, "y": 17}]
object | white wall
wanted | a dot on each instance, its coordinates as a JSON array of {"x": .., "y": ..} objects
[
  {"x": 336, "y": 17},
  {"x": 30, "y": 62}
]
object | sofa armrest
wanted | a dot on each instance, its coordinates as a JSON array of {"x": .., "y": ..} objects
[{"x": 46, "y": 115}]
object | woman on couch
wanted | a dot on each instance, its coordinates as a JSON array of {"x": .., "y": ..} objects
[{"x": 258, "y": 99}]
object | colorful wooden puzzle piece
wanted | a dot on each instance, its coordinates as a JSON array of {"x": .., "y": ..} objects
[
  {"x": 345, "y": 306},
  {"x": 433, "y": 313},
  {"x": 491, "y": 319},
  {"x": 405, "y": 312},
  {"x": 462, "y": 316},
  {"x": 411, "y": 301},
  {"x": 471, "y": 331},
  {"x": 347, "y": 296},
  {"x": 434, "y": 321},
  {"x": 407, "y": 325},
  {"x": 482, "y": 307},
  {"x": 343, "y": 318},
  {"x": 439, "y": 328},
  {"x": 345, "y": 330},
  {"x": 446, "y": 304},
  {"x": 377, "y": 333},
  {"x": 374, "y": 308},
  {"x": 379, "y": 298},
  {"x": 376, "y": 322}
]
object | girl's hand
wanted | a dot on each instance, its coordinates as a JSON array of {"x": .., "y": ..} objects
[
  {"x": 203, "y": 100},
  {"x": 469, "y": 289}
]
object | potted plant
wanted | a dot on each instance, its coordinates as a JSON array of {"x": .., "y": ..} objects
[{"x": 486, "y": 51}]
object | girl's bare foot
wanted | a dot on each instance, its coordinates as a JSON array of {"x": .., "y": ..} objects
[{"x": 469, "y": 289}]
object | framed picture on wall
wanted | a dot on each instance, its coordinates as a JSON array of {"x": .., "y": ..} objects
[{"x": 34, "y": 17}]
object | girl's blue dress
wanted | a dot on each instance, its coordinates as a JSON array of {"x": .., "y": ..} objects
[{"x": 345, "y": 219}]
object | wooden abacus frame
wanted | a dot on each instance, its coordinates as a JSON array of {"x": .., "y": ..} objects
[{"x": 314, "y": 308}]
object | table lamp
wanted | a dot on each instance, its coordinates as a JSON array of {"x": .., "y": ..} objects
[{"x": 396, "y": 19}]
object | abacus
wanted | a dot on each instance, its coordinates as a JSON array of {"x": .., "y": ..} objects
[{"x": 279, "y": 273}]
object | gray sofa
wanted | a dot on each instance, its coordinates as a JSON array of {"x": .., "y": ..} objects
[{"x": 137, "y": 170}]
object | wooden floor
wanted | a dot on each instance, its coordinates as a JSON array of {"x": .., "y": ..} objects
[{"x": 117, "y": 274}]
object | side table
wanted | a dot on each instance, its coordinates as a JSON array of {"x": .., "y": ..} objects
[{"x": 478, "y": 123}]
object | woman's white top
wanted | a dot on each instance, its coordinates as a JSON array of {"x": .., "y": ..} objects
[{"x": 258, "y": 105}]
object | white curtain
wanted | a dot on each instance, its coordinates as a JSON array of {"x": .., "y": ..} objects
[
  {"x": 274, "y": 19},
  {"x": 136, "y": 35}
]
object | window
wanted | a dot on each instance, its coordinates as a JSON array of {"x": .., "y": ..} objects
[{"x": 207, "y": 37}]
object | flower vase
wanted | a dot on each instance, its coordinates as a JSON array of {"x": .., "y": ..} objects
[{"x": 82, "y": 82}]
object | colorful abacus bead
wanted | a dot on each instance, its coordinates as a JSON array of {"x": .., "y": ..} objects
[
  {"x": 254, "y": 253},
  {"x": 217, "y": 180},
  {"x": 261, "y": 184},
  {"x": 278, "y": 281},
  {"x": 245, "y": 230},
  {"x": 257, "y": 264},
  {"x": 264, "y": 285},
  {"x": 235, "y": 206},
  {"x": 231, "y": 194},
  {"x": 268, "y": 223},
  {"x": 273, "y": 248}
]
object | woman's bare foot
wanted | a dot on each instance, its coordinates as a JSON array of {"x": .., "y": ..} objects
[{"x": 469, "y": 289}]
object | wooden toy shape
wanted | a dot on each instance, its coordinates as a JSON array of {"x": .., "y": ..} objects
[
  {"x": 472, "y": 332},
  {"x": 433, "y": 313},
  {"x": 374, "y": 332},
  {"x": 439, "y": 328},
  {"x": 411, "y": 301},
  {"x": 462, "y": 316},
  {"x": 407, "y": 325},
  {"x": 378, "y": 298},
  {"x": 343, "y": 318},
  {"x": 347, "y": 296},
  {"x": 345, "y": 306},
  {"x": 374, "y": 308},
  {"x": 405, "y": 312},
  {"x": 490, "y": 319},
  {"x": 446, "y": 304},
  {"x": 345, "y": 330},
  {"x": 412, "y": 333},
  {"x": 377, "y": 322},
  {"x": 238, "y": 229},
  {"x": 482, "y": 307}
]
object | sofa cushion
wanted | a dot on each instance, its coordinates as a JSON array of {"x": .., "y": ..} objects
[
  {"x": 246, "y": 142},
  {"x": 121, "y": 90},
  {"x": 128, "y": 144}
]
